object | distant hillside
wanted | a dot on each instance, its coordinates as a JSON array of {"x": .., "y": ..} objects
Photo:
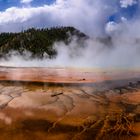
[{"x": 37, "y": 41}]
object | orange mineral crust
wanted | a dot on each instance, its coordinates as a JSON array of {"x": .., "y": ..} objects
[
  {"x": 64, "y": 75},
  {"x": 99, "y": 111}
]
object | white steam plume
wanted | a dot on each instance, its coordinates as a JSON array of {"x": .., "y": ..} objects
[
  {"x": 122, "y": 52},
  {"x": 91, "y": 17}
]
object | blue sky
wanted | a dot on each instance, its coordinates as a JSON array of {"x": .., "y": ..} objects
[
  {"x": 4, "y": 4},
  {"x": 82, "y": 14},
  {"x": 96, "y": 18},
  {"x": 128, "y": 12}
]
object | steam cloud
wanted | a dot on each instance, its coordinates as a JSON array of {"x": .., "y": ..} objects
[{"x": 123, "y": 52}]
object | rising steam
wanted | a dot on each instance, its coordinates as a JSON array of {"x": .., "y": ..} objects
[
  {"x": 116, "y": 52},
  {"x": 90, "y": 17}
]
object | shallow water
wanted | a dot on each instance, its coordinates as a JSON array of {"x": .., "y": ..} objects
[{"x": 104, "y": 110}]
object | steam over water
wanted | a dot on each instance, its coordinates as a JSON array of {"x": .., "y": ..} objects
[
  {"x": 60, "y": 103},
  {"x": 91, "y": 17},
  {"x": 119, "y": 52}
]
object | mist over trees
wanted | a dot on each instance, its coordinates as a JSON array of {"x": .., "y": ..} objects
[{"x": 38, "y": 42}]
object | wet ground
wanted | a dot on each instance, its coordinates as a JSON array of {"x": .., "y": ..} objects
[{"x": 103, "y": 110}]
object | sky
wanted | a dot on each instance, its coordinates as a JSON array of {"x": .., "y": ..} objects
[
  {"x": 119, "y": 19},
  {"x": 93, "y": 17},
  {"x": 4, "y": 4}
]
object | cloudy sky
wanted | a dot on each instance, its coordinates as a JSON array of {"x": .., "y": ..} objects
[
  {"x": 119, "y": 19},
  {"x": 94, "y": 17}
]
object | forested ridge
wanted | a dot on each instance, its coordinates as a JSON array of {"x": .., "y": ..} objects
[{"x": 37, "y": 41}]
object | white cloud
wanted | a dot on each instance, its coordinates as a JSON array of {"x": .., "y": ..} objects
[
  {"x": 26, "y": 1},
  {"x": 88, "y": 16},
  {"x": 123, "y": 19},
  {"x": 112, "y": 27},
  {"x": 126, "y": 29},
  {"x": 126, "y": 3}
]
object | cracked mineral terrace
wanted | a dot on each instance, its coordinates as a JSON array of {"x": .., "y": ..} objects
[{"x": 69, "y": 104}]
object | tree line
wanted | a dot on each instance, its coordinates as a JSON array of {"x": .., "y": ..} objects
[{"x": 37, "y": 41}]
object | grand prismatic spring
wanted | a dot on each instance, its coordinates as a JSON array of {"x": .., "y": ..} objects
[{"x": 69, "y": 104}]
